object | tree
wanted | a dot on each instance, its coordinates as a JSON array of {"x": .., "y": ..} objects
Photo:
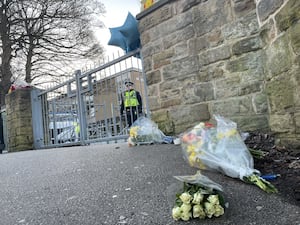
[
  {"x": 6, "y": 47},
  {"x": 41, "y": 38}
]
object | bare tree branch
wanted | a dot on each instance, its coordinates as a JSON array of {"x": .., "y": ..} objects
[{"x": 40, "y": 37}]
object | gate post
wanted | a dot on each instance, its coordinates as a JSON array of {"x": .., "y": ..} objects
[
  {"x": 81, "y": 108},
  {"x": 37, "y": 119}
]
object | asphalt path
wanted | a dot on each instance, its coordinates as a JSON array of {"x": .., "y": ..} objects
[{"x": 116, "y": 184}]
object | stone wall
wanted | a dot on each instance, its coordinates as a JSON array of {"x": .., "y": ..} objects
[
  {"x": 19, "y": 120},
  {"x": 236, "y": 58}
]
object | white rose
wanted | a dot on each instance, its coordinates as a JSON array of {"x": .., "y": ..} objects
[
  {"x": 198, "y": 212},
  {"x": 185, "y": 208},
  {"x": 176, "y": 213},
  {"x": 185, "y": 197},
  {"x": 209, "y": 209},
  {"x": 219, "y": 211},
  {"x": 186, "y": 216},
  {"x": 197, "y": 199},
  {"x": 214, "y": 199}
]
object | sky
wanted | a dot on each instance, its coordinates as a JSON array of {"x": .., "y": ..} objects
[{"x": 116, "y": 13}]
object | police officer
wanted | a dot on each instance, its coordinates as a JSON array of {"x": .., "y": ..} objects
[
  {"x": 131, "y": 102},
  {"x": 76, "y": 130}
]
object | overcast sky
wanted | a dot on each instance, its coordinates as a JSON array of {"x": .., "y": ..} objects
[{"x": 116, "y": 13}]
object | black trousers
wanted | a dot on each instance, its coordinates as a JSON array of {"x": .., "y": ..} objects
[{"x": 131, "y": 115}]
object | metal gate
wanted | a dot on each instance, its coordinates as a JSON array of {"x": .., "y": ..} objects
[{"x": 86, "y": 108}]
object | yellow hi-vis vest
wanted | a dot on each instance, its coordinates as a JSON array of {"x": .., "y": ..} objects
[
  {"x": 130, "y": 99},
  {"x": 77, "y": 127}
]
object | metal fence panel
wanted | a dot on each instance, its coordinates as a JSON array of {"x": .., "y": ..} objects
[{"x": 86, "y": 108}]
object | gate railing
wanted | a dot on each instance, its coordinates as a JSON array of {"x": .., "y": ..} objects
[{"x": 85, "y": 108}]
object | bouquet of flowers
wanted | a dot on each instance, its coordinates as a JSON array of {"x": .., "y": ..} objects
[
  {"x": 222, "y": 149},
  {"x": 200, "y": 198},
  {"x": 144, "y": 131}
]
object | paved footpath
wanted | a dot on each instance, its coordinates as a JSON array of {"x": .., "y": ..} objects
[{"x": 115, "y": 184}]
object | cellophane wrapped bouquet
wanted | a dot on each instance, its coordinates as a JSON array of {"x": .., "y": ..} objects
[
  {"x": 222, "y": 149},
  {"x": 200, "y": 198},
  {"x": 144, "y": 131}
]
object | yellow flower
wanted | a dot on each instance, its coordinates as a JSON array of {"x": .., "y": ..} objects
[
  {"x": 200, "y": 164},
  {"x": 192, "y": 158},
  {"x": 148, "y": 3},
  {"x": 229, "y": 133},
  {"x": 133, "y": 131},
  {"x": 191, "y": 148},
  {"x": 176, "y": 213},
  {"x": 185, "y": 197}
]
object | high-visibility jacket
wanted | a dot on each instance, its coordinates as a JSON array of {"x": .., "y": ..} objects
[
  {"x": 77, "y": 128},
  {"x": 130, "y": 99}
]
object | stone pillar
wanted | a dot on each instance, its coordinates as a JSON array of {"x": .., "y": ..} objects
[{"x": 19, "y": 120}]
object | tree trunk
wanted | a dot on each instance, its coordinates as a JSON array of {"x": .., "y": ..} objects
[
  {"x": 6, "y": 56},
  {"x": 29, "y": 63}
]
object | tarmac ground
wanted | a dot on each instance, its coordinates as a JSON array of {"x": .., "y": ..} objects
[{"x": 116, "y": 184}]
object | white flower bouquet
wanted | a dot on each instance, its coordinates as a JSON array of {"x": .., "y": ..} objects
[
  {"x": 222, "y": 149},
  {"x": 200, "y": 198}
]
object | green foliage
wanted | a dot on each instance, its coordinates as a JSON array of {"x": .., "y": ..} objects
[{"x": 261, "y": 183}]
